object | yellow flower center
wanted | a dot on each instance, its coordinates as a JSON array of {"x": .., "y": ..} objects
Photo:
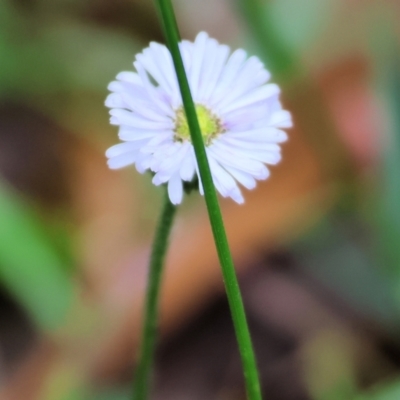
[{"x": 210, "y": 125}]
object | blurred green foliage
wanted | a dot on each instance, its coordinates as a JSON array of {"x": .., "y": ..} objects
[
  {"x": 388, "y": 216},
  {"x": 28, "y": 65},
  {"x": 300, "y": 28},
  {"x": 389, "y": 391},
  {"x": 29, "y": 266},
  {"x": 46, "y": 62}
]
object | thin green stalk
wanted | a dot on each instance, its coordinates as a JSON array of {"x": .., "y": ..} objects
[
  {"x": 232, "y": 287},
  {"x": 149, "y": 333}
]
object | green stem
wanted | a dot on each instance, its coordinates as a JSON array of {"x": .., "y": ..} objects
[
  {"x": 149, "y": 333},
  {"x": 232, "y": 287}
]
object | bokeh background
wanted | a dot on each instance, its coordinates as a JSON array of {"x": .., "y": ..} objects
[{"x": 317, "y": 246}]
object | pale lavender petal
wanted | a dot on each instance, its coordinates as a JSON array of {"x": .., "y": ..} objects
[
  {"x": 122, "y": 160},
  {"x": 266, "y": 135},
  {"x": 226, "y": 156},
  {"x": 224, "y": 182},
  {"x": 250, "y": 76},
  {"x": 281, "y": 119},
  {"x": 128, "y": 134},
  {"x": 228, "y": 75},
  {"x": 175, "y": 189},
  {"x": 218, "y": 64},
  {"x": 164, "y": 107},
  {"x": 122, "y": 148},
  {"x": 259, "y": 94},
  {"x": 197, "y": 62},
  {"x": 243, "y": 178},
  {"x": 243, "y": 144},
  {"x": 125, "y": 117},
  {"x": 129, "y": 76}
]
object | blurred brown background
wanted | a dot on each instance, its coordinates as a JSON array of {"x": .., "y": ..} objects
[{"x": 316, "y": 246}]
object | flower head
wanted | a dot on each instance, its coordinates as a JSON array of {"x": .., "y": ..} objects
[{"x": 239, "y": 113}]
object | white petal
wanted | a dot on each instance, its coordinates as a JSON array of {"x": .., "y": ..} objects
[
  {"x": 137, "y": 91},
  {"x": 226, "y": 156},
  {"x": 228, "y": 75},
  {"x": 188, "y": 168},
  {"x": 131, "y": 134},
  {"x": 243, "y": 144},
  {"x": 175, "y": 189},
  {"x": 255, "y": 96},
  {"x": 281, "y": 119},
  {"x": 268, "y": 157},
  {"x": 158, "y": 101},
  {"x": 122, "y": 160},
  {"x": 144, "y": 109},
  {"x": 155, "y": 143},
  {"x": 242, "y": 177},
  {"x": 265, "y": 135},
  {"x": 115, "y": 86},
  {"x": 142, "y": 162},
  {"x": 114, "y": 100},
  {"x": 173, "y": 164},
  {"x": 165, "y": 63},
  {"x": 209, "y": 61},
  {"x": 124, "y": 117},
  {"x": 245, "y": 116},
  {"x": 197, "y": 62},
  {"x": 224, "y": 182},
  {"x": 128, "y": 76},
  {"x": 249, "y": 77},
  {"x": 163, "y": 176},
  {"x": 152, "y": 67},
  {"x": 122, "y": 148},
  {"x": 159, "y": 66},
  {"x": 214, "y": 75}
]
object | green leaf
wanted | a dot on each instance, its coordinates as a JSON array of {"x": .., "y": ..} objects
[
  {"x": 29, "y": 267},
  {"x": 299, "y": 23},
  {"x": 390, "y": 391}
]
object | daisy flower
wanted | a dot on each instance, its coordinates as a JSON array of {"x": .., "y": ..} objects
[{"x": 240, "y": 116}]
